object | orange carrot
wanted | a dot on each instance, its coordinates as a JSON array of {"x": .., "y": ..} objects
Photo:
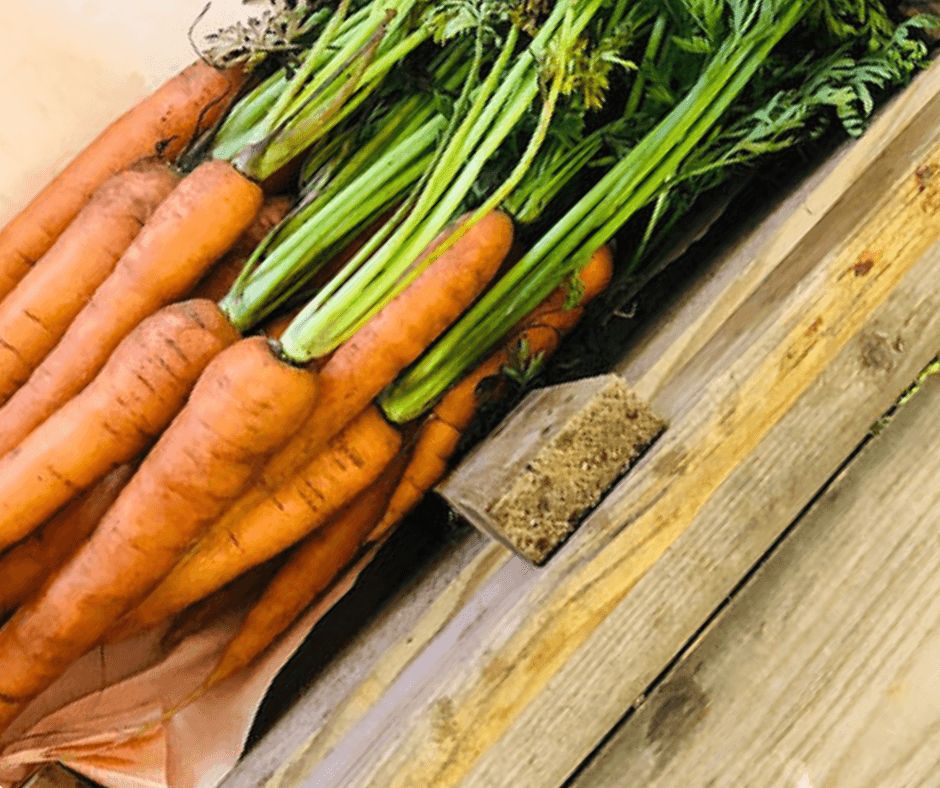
[
  {"x": 330, "y": 480},
  {"x": 428, "y": 460},
  {"x": 190, "y": 230},
  {"x": 365, "y": 364},
  {"x": 241, "y": 592},
  {"x": 139, "y": 391},
  {"x": 356, "y": 372},
  {"x": 223, "y": 274},
  {"x": 441, "y": 432},
  {"x": 317, "y": 560},
  {"x": 243, "y": 407},
  {"x": 163, "y": 124},
  {"x": 27, "y": 565},
  {"x": 35, "y": 315},
  {"x": 310, "y": 568},
  {"x": 278, "y": 324}
]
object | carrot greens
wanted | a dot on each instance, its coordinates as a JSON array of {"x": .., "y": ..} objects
[
  {"x": 743, "y": 100},
  {"x": 512, "y": 105}
]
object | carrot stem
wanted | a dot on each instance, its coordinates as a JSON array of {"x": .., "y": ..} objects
[{"x": 566, "y": 247}]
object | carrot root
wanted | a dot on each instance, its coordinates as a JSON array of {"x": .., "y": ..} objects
[
  {"x": 138, "y": 392},
  {"x": 309, "y": 570},
  {"x": 243, "y": 406},
  {"x": 35, "y": 315},
  {"x": 27, "y": 565},
  {"x": 189, "y": 231},
  {"x": 240, "y": 540},
  {"x": 163, "y": 124}
]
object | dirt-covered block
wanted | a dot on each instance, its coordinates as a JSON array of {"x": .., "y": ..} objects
[{"x": 551, "y": 461}]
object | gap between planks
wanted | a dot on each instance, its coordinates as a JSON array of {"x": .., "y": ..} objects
[{"x": 822, "y": 671}]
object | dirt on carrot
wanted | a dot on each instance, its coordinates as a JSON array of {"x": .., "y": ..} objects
[
  {"x": 238, "y": 541},
  {"x": 35, "y": 315},
  {"x": 137, "y": 394},
  {"x": 162, "y": 125},
  {"x": 243, "y": 407},
  {"x": 310, "y": 568},
  {"x": 189, "y": 231}
]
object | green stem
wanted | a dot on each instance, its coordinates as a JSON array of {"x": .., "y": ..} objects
[
  {"x": 260, "y": 160},
  {"x": 311, "y": 61},
  {"x": 371, "y": 259},
  {"x": 652, "y": 47},
  {"x": 348, "y": 302},
  {"x": 302, "y": 253},
  {"x": 564, "y": 249}
]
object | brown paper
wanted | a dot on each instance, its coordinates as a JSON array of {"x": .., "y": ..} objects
[{"x": 125, "y": 715}]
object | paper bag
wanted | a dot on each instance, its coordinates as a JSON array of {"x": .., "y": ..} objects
[{"x": 130, "y": 716}]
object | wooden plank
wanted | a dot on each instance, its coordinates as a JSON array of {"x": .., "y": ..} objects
[
  {"x": 361, "y": 672},
  {"x": 552, "y": 460},
  {"x": 528, "y": 658},
  {"x": 823, "y": 670}
]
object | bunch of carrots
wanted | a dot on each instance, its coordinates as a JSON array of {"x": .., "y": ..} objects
[{"x": 237, "y": 374}]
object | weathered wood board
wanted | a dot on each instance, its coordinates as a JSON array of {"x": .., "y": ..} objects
[
  {"x": 515, "y": 675},
  {"x": 823, "y": 670},
  {"x": 552, "y": 459}
]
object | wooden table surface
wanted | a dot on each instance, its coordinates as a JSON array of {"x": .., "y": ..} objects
[{"x": 824, "y": 669}]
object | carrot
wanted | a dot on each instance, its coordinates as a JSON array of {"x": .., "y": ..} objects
[
  {"x": 139, "y": 391},
  {"x": 241, "y": 592},
  {"x": 428, "y": 460},
  {"x": 355, "y": 373},
  {"x": 321, "y": 556},
  {"x": 441, "y": 432},
  {"x": 361, "y": 367},
  {"x": 365, "y": 364},
  {"x": 223, "y": 274},
  {"x": 27, "y": 565},
  {"x": 242, "y": 408},
  {"x": 163, "y": 124},
  {"x": 189, "y": 231},
  {"x": 40, "y": 308},
  {"x": 329, "y": 481},
  {"x": 309, "y": 570}
]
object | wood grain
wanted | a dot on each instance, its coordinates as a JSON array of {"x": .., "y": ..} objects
[
  {"x": 520, "y": 684},
  {"x": 823, "y": 671}
]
